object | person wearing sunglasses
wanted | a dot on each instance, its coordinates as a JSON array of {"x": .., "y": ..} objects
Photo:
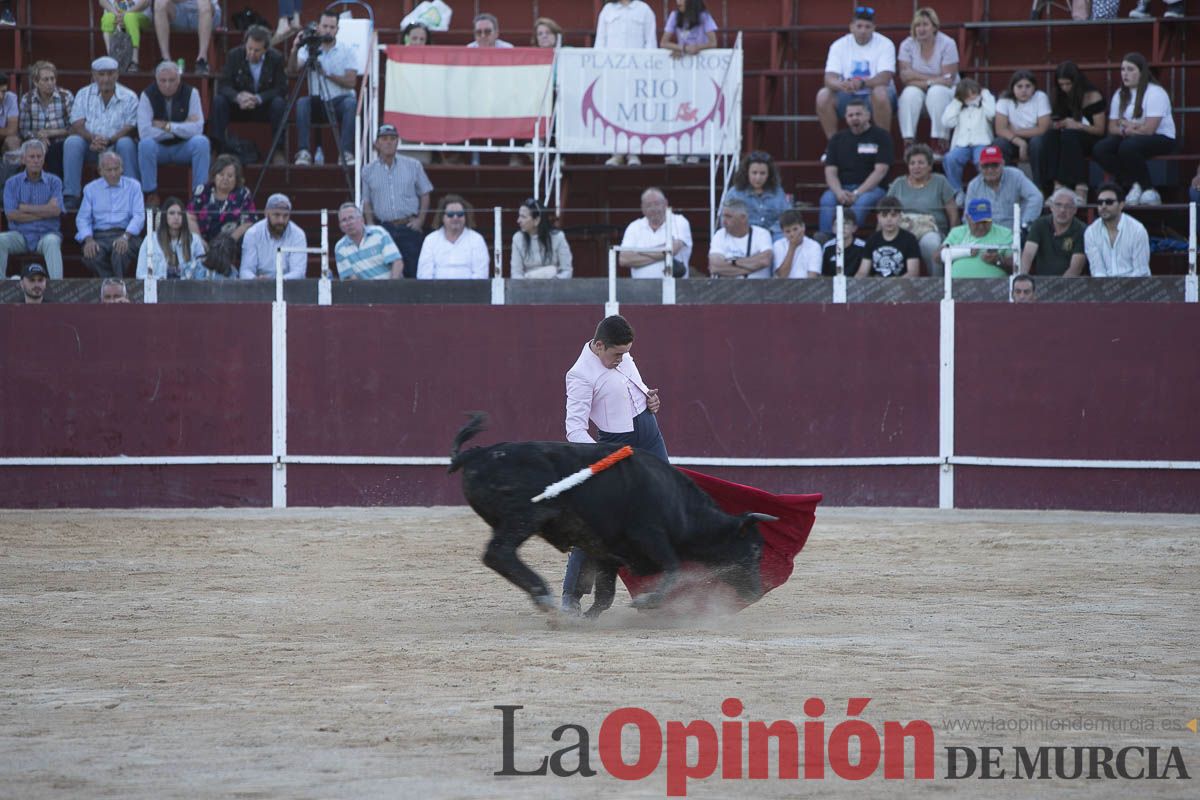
[
  {"x": 487, "y": 32},
  {"x": 1116, "y": 244},
  {"x": 453, "y": 250},
  {"x": 860, "y": 65},
  {"x": 538, "y": 251}
]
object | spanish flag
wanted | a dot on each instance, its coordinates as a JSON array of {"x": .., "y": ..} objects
[{"x": 445, "y": 95}]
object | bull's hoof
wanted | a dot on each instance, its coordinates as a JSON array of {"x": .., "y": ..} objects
[
  {"x": 648, "y": 601},
  {"x": 594, "y": 612}
]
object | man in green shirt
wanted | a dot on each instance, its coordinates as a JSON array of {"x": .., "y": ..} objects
[
  {"x": 1055, "y": 242},
  {"x": 963, "y": 245}
]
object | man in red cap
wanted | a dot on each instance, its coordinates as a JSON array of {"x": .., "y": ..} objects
[{"x": 1003, "y": 187}]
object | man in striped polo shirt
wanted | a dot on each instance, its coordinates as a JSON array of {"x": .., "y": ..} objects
[{"x": 366, "y": 252}]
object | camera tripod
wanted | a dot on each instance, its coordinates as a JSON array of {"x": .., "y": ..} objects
[{"x": 311, "y": 65}]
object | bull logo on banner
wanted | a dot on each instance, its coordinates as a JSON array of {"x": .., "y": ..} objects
[{"x": 651, "y": 116}]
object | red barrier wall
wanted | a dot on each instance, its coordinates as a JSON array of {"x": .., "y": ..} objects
[{"x": 805, "y": 381}]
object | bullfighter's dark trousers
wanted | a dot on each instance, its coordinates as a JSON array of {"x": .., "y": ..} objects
[{"x": 644, "y": 436}]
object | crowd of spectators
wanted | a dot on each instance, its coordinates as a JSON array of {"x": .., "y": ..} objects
[{"x": 1028, "y": 144}]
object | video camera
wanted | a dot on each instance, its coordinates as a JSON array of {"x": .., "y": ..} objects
[{"x": 313, "y": 40}]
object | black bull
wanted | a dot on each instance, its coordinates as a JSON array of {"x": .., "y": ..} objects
[{"x": 641, "y": 514}]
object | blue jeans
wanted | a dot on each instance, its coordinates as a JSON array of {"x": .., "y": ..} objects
[
  {"x": 956, "y": 161},
  {"x": 343, "y": 109},
  {"x": 288, "y": 7},
  {"x": 77, "y": 149},
  {"x": 194, "y": 151},
  {"x": 861, "y": 208},
  {"x": 644, "y": 436}
]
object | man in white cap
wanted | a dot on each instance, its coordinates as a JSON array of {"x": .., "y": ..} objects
[
  {"x": 103, "y": 117},
  {"x": 171, "y": 129},
  {"x": 266, "y": 236},
  {"x": 395, "y": 191}
]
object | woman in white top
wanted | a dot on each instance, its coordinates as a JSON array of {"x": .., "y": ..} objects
[
  {"x": 928, "y": 66},
  {"x": 538, "y": 251},
  {"x": 453, "y": 250},
  {"x": 1022, "y": 115},
  {"x": 172, "y": 251},
  {"x": 626, "y": 25},
  {"x": 1140, "y": 127}
]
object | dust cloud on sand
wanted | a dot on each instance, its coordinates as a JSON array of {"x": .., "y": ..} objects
[{"x": 360, "y": 653}]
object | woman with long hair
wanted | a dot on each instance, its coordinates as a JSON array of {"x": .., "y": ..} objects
[
  {"x": 757, "y": 184},
  {"x": 171, "y": 251},
  {"x": 689, "y": 29},
  {"x": 1022, "y": 115},
  {"x": 538, "y": 250},
  {"x": 1078, "y": 122},
  {"x": 453, "y": 250},
  {"x": 1140, "y": 127}
]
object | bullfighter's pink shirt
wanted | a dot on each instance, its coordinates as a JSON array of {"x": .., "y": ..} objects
[{"x": 609, "y": 397}]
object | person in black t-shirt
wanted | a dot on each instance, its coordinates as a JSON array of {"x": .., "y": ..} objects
[
  {"x": 891, "y": 251},
  {"x": 852, "y": 246},
  {"x": 857, "y": 161}
]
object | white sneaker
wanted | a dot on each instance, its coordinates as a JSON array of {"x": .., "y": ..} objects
[
  {"x": 672, "y": 160},
  {"x": 1135, "y": 195},
  {"x": 634, "y": 161},
  {"x": 1174, "y": 11},
  {"x": 692, "y": 160},
  {"x": 616, "y": 161},
  {"x": 960, "y": 198},
  {"x": 1150, "y": 197},
  {"x": 1142, "y": 11},
  {"x": 303, "y": 159},
  {"x": 348, "y": 159}
]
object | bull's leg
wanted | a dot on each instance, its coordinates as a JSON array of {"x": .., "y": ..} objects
[
  {"x": 656, "y": 546},
  {"x": 501, "y": 555},
  {"x": 606, "y": 590}
]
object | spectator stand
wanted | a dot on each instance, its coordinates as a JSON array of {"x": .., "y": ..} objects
[{"x": 599, "y": 102}]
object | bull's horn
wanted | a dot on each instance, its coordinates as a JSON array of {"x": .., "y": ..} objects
[{"x": 762, "y": 517}]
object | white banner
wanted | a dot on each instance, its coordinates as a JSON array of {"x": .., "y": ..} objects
[{"x": 644, "y": 101}]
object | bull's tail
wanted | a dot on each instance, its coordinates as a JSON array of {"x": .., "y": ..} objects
[{"x": 477, "y": 423}]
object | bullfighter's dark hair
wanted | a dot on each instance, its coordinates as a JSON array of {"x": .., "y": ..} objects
[{"x": 614, "y": 331}]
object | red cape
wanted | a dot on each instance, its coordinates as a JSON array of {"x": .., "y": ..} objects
[{"x": 782, "y": 540}]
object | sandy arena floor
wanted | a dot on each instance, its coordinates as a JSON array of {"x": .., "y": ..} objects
[{"x": 352, "y": 653}]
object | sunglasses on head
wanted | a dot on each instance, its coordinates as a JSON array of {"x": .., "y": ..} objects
[
  {"x": 454, "y": 214},
  {"x": 864, "y": 11}
]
